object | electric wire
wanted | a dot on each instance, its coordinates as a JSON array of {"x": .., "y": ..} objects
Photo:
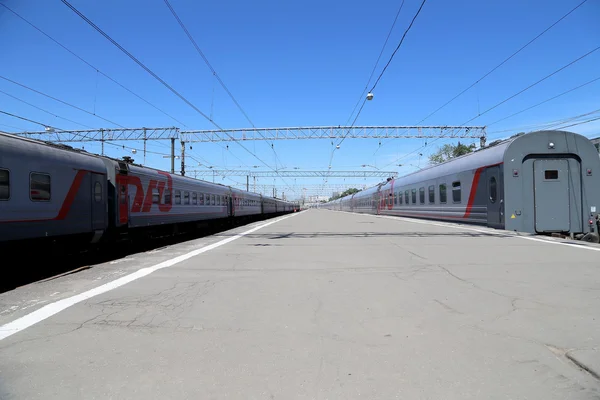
[
  {"x": 60, "y": 101},
  {"x": 158, "y": 78},
  {"x": 92, "y": 66}
]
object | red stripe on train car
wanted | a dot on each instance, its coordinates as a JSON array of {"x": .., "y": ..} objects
[
  {"x": 67, "y": 202},
  {"x": 474, "y": 188},
  {"x": 66, "y": 205}
]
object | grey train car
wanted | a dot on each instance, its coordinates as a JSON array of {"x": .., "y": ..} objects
[
  {"x": 541, "y": 183},
  {"x": 51, "y": 192}
]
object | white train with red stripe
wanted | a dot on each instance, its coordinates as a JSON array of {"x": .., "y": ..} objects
[
  {"x": 542, "y": 182},
  {"x": 50, "y": 192}
]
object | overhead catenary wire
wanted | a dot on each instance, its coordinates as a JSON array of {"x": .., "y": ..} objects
[
  {"x": 533, "y": 84},
  {"x": 92, "y": 66},
  {"x": 516, "y": 94},
  {"x": 503, "y": 62},
  {"x": 385, "y": 68},
  {"x": 370, "y": 77},
  {"x": 214, "y": 72},
  {"x": 97, "y": 71},
  {"x": 545, "y": 101},
  {"x": 545, "y": 125},
  {"x": 158, "y": 78},
  {"x": 44, "y": 110},
  {"x": 579, "y": 123},
  {"x": 398, "y": 47},
  {"x": 60, "y": 101},
  {"x": 376, "y": 62},
  {"x": 29, "y": 120},
  {"x": 500, "y": 64},
  {"x": 63, "y": 130}
]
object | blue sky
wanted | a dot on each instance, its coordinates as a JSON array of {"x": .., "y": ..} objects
[{"x": 300, "y": 64}]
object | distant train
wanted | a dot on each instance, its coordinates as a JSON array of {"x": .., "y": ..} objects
[
  {"x": 51, "y": 193},
  {"x": 541, "y": 183}
]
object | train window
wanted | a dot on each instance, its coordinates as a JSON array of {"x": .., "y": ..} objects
[
  {"x": 4, "y": 184},
  {"x": 493, "y": 189},
  {"x": 39, "y": 187},
  {"x": 168, "y": 195},
  {"x": 551, "y": 174},
  {"x": 406, "y": 197},
  {"x": 201, "y": 199},
  {"x": 396, "y": 199},
  {"x": 178, "y": 197},
  {"x": 413, "y": 193},
  {"x": 218, "y": 200},
  {"x": 155, "y": 196},
  {"x": 400, "y": 197},
  {"x": 194, "y": 198},
  {"x": 422, "y": 195},
  {"x": 443, "y": 193},
  {"x": 212, "y": 199},
  {"x": 186, "y": 197},
  {"x": 432, "y": 194},
  {"x": 456, "y": 192}
]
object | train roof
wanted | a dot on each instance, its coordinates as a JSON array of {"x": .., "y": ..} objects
[
  {"x": 489, "y": 155},
  {"x": 64, "y": 147}
]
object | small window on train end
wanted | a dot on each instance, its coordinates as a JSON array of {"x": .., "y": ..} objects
[
  {"x": 195, "y": 198},
  {"x": 39, "y": 187},
  {"x": 178, "y": 197},
  {"x": 431, "y": 190},
  {"x": 98, "y": 192},
  {"x": 551, "y": 174},
  {"x": 443, "y": 196},
  {"x": 493, "y": 189},
  {"x": 4, "y": 184},
  {"x": 456, "y": 192}
]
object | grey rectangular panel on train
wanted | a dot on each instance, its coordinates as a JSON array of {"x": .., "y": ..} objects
[
  {"x": 550, "y": 182},
  {"x": 552, "y": 193}
]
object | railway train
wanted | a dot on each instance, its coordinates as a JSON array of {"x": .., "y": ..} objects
[
  {"x": 51, "y": 193},
  {"x": 544, "y": 182}
]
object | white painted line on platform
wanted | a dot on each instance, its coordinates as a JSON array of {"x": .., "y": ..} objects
[
  {"x": 489, "y": 232},
  {"x": 51, "y": 309}
]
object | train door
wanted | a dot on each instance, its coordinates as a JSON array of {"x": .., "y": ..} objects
[
  {"x": 123, "y": 199},
  {"x": 98, "y": 202},
  {"x": 231, "y": 204},
  {"x": 495, "y": 200},
  {"x": 375, "y": 203},
  {"x": 553, "y": 188}
]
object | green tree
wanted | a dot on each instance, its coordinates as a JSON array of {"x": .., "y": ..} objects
[
  {"x": 345, "y": 193},
  {"x": 450, "y": 151}
]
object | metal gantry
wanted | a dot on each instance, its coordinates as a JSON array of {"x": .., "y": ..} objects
[
  {"x": 293, "y": 174},
  {"x": 108, "y": 135},
  {"x": 310, "y": 190},
  {"x": 247, "y": 134},
  {"x": 101, "y": 134},
  {"x": 334, "y": 132}
]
